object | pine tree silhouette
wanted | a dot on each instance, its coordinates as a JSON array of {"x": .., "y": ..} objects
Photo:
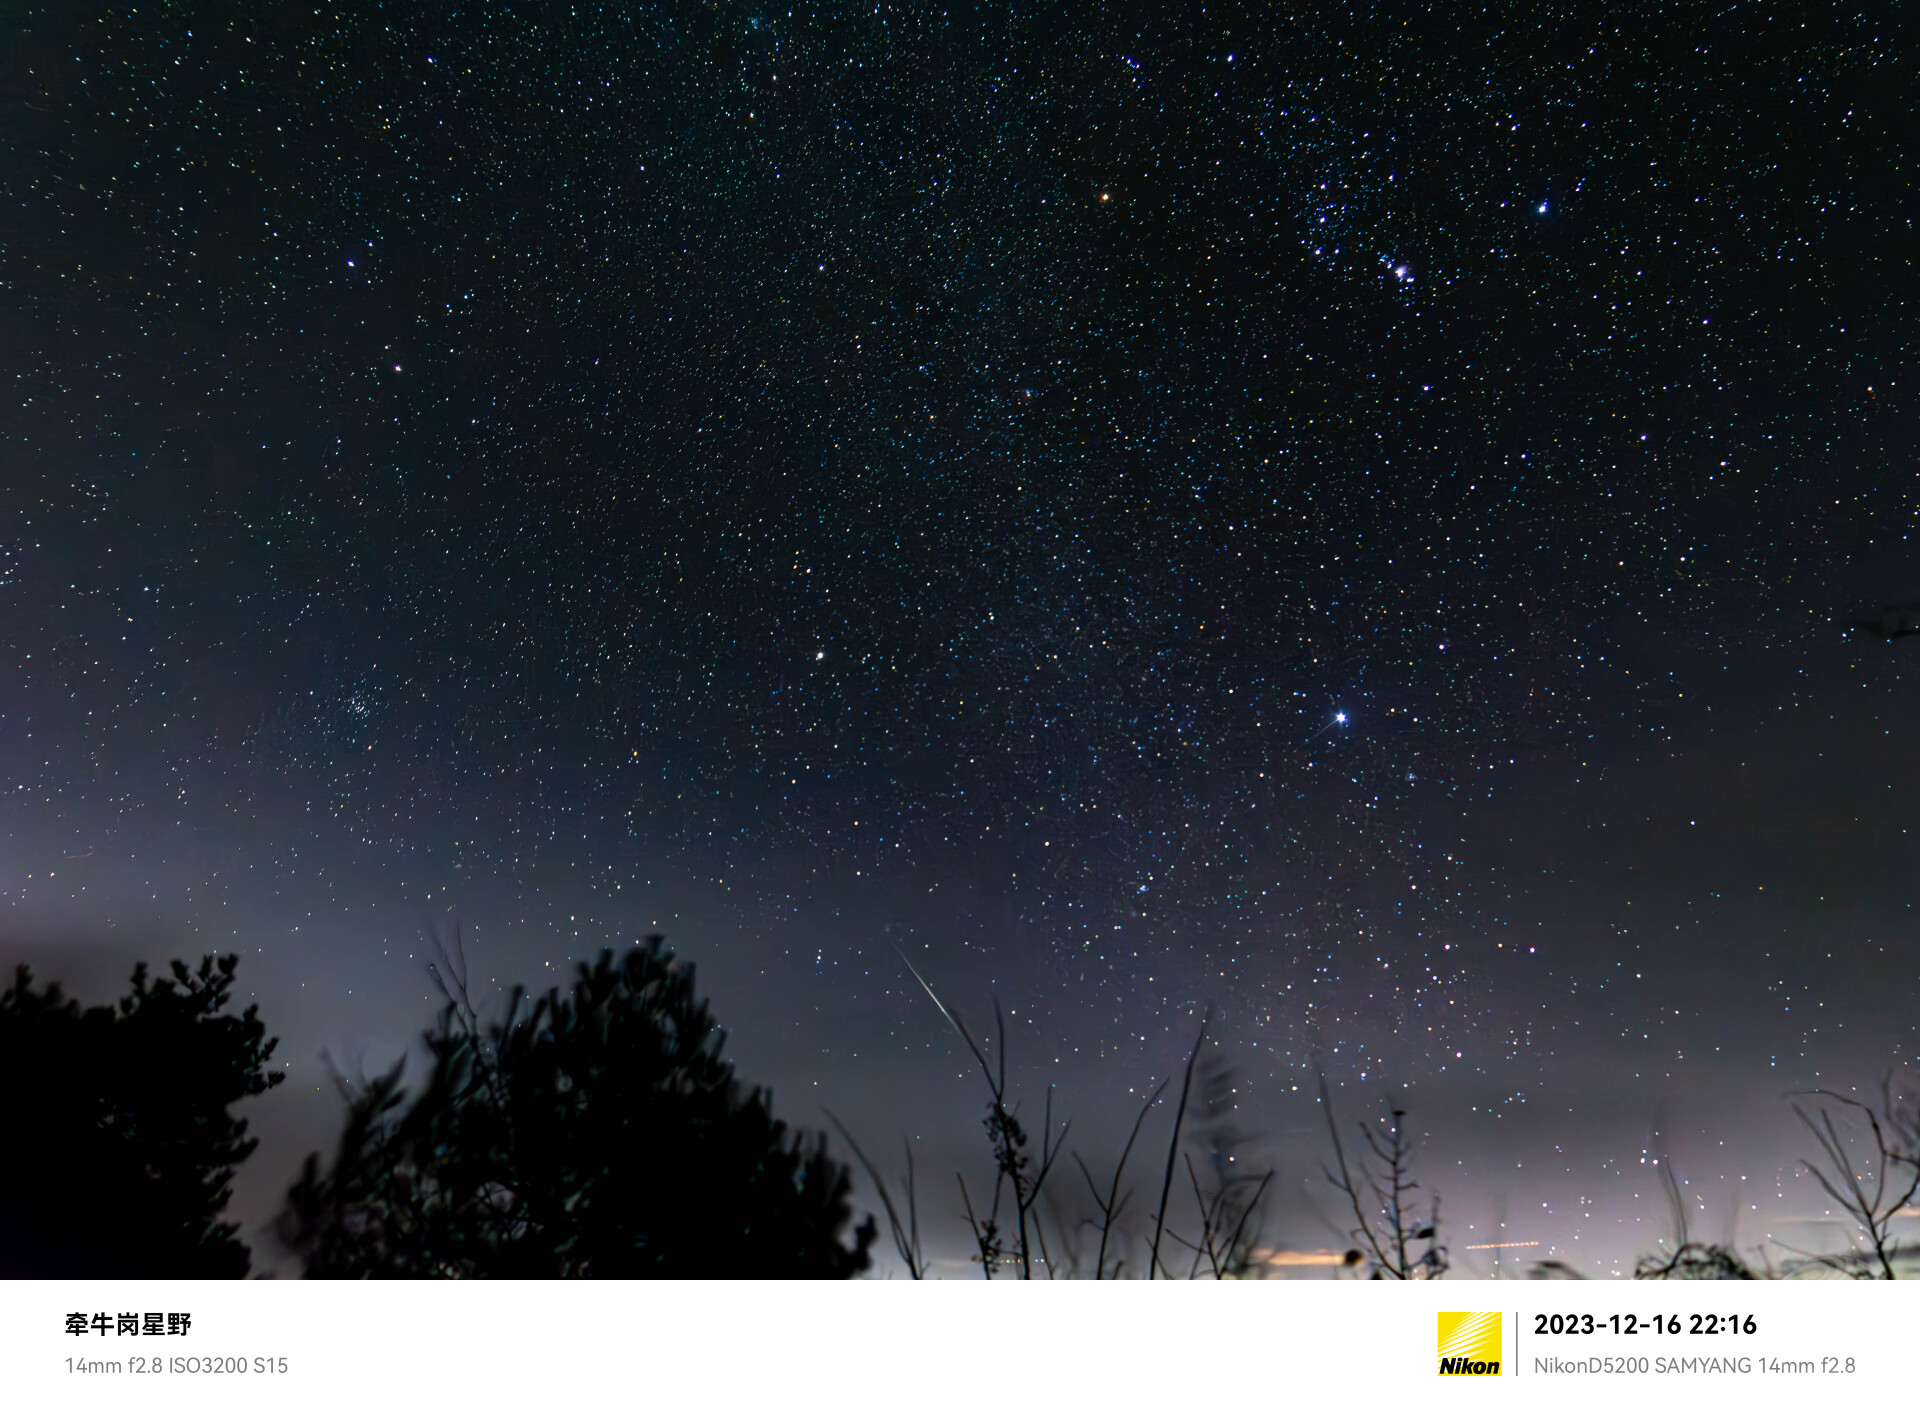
[
  {"x": 121, "y": 1149},
  {"x": 597, "y": 1133}
]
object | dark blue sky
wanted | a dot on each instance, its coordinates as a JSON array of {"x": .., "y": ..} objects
[{"x": 1346, "y": 516}]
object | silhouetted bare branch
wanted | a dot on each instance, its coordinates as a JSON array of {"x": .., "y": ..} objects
[
  {"x": 1173, "y": 1149},
  {"x": 1377, "y": 1185},
  {"x": 1883, "y": 1185}
]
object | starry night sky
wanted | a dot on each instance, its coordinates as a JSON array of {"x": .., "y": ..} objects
[{"x": 1342, "y": 515}]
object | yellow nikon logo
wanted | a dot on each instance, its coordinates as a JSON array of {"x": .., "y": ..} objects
[{"x": 1470, "y": 1343}]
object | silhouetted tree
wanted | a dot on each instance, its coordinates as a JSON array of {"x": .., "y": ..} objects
[
  {"x": 121, "y": 1147},
  {"x": 597, "y": 1133}
]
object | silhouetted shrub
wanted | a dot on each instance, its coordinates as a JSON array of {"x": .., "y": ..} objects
[
  {"x": 1694, "y": 1261},
  {"x": 120, "y": 1146},
  {"x": 593, "y": 1134},
  {"x": 1684, "y": 1257}
]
